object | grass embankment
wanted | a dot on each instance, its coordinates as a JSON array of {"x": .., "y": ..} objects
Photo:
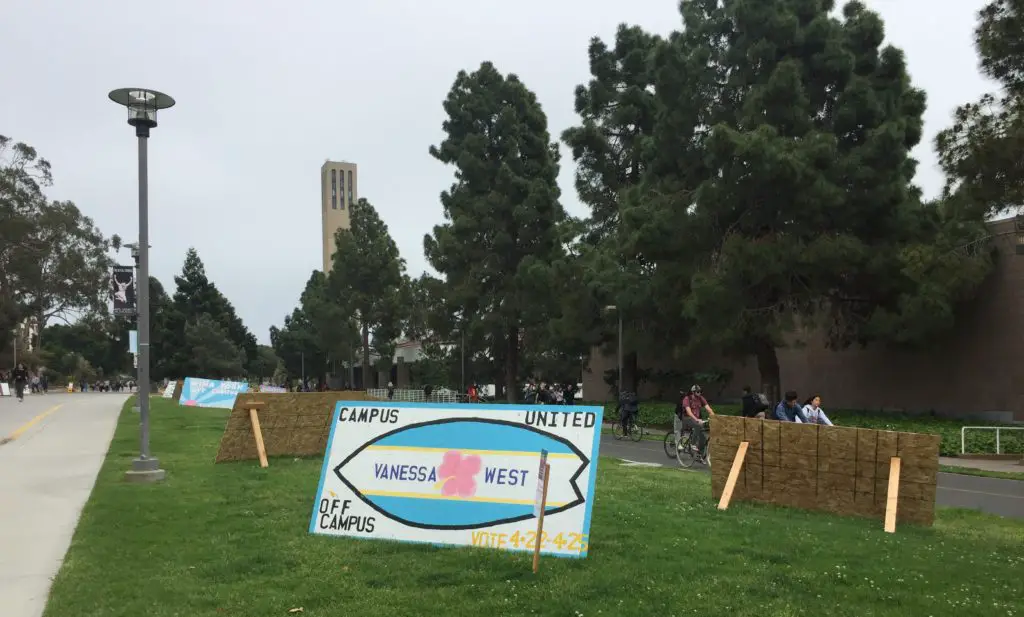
[
  {"x": 230, "y": 541},
  {"x": 659, "y": 416}
]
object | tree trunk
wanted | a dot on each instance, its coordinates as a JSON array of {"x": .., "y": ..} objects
[
  {"x": 366, "y": 356},
  {"x": 511, "y": 363},
  {"x": 768, "y": 367},
  {"x": 631, "y": 372}
]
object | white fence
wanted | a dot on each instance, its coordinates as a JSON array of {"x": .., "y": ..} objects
[
  {"x": 417, "y": 396},
  {"x": 997, "y": 429}
]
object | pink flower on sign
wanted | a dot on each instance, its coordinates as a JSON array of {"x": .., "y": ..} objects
[{"x": 458, "y": 473}]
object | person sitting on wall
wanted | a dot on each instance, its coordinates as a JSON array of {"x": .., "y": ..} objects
[
  {"x": 754, "y": 405},
  {"x": 789, "y": 410},
  {"x": 815, "y": 414}
]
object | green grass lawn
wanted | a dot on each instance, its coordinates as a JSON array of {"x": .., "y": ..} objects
[
  {"x": 231, "y": 541},
  {"x": 658, "y": 416}
]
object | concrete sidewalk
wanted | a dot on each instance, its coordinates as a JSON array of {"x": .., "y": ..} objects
[{"x": 46, "y": 475}]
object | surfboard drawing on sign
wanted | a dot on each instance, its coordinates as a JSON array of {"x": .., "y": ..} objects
[{"x": 462, "y": 473}]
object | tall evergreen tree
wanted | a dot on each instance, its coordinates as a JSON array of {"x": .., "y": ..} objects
[
  {"x": 981, "y": 152},
  {"x": 366, "y": 280},
  {"x": 791, "y": 191},
  {"x": 618, "y": 110},
  {"x": 333, "y": 326},
  {"x": 196, "y": 295},
  {"x": 502, "y": 233},
  {"x": 213, "y": 354}
]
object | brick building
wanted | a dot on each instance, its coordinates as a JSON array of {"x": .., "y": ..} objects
[{"x": 977, "y": 368}]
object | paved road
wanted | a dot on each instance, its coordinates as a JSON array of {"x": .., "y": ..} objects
[
  {"x": 992, "y": 495},
  {"x": 46, "y": 474}
]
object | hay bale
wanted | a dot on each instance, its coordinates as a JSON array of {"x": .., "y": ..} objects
[{"x": 292, "y": 423}]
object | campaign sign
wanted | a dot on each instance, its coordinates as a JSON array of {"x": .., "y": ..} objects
[
  {"x": 459, "y": 474},
  {"x": 272, "y": 389},
  {"x": 210, "y": 392}
]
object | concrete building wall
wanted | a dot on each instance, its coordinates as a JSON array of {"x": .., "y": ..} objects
[
  {"x": 978, "y": 368},
  {"x": 339, "y": 184}
]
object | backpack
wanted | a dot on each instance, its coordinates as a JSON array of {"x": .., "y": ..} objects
[{"x": 762, "y": 400}]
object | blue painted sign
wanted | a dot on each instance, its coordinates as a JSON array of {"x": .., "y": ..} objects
[
  {"x": 197, "y": 392},
  {"x": 459, "y": 474}
]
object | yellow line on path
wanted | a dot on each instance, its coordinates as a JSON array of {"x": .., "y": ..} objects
[{"x": 18, "y": 432}]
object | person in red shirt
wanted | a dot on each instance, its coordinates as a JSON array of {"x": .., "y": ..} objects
[
  {"x": 688, "y": 417},
  {"x": 474, "y": 396}
]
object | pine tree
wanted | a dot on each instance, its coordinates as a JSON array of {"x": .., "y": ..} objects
[
  {"x": 196, "y": 295},
  {"x": 981, "y": 152},
  {"x": 782, "y": 181},
  {"x": 502, "y": 233},
  {"x": 366, "y": 280},
  {"x": 618, "y": 111},
  {"x": 213, "y": 354}
]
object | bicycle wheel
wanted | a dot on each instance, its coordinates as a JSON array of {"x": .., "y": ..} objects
[
  {"x": 636, "y": 432},
  {"x": 617, "y": 431},
  {"x": 684, "y": 453},
  {"x": 670, "y": 444}
]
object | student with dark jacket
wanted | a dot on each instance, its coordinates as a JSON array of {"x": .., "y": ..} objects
[
  {"x": 754, "y": 405},
  {"x": 20, "y": 378}
]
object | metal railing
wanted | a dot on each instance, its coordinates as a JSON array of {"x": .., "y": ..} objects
[
  {"x": 997, "y": 429},
  {"x": 417, "y": 396}
]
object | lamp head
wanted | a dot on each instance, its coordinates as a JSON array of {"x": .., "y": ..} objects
[{"x": 142, "y": 104}]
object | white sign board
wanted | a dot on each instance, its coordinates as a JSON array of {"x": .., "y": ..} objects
[
  {"x": 5, "y": 389},
  {"x": 459, "y": 474},
  {"x": 169, "y": 389}
]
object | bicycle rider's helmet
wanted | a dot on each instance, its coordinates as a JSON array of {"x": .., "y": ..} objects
[{"x": 695, "y": 389}]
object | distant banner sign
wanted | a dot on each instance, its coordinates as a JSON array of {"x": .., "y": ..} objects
[
  {"x": 122, "y": 284},
  {"x": 169, "y": 389},
  {"x": 459, "y": 474},
  {"x": 133, "y": 341},
  {"x": 210, "y": 392},
  {"x": 272, "y": 389},
  {"x": 5, "y": 389}
]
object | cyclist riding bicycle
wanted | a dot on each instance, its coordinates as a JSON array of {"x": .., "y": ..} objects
[
  {"x": 628, "y": 409},
  {"x": 688, "y": 417}
]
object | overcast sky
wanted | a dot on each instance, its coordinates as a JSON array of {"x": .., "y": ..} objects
[{"x": 267, "y": 91}]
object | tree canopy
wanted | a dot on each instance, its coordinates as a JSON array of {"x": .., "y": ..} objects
[
  {"x": 366, "y": 281},
  {"x": 53, "y": 259},
  {"x": 196, "y": 295},
  {"x": 502, "y": 231},
  {"x": 980, "y": 152},
  {"x": 749, "y": 184}
]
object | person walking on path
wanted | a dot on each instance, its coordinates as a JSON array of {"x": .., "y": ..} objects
[{"x": 20, "y": 377}]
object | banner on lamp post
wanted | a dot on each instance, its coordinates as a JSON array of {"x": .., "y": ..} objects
[{"x": 122, "y": 286}]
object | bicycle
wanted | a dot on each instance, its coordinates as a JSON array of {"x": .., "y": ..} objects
[
  {"x": 670, "y": 442},
  {"x": 636, "y": 432},
  {"x": 685, "y": 454}
]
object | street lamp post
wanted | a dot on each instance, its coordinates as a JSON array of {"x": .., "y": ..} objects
[
  {"x": 142, "y": 107},
  {"x": 134, "y": 248}
]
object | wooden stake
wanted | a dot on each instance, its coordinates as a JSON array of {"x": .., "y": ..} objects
[
  {"x": 892, "y": 500},
  {"x": 540, "y": 518},
  {"x": 734, "y": 475},
  {"x": 254, "y": 418}
]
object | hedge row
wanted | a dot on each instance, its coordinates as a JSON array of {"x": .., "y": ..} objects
[{"x": 659, "y": 416}]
